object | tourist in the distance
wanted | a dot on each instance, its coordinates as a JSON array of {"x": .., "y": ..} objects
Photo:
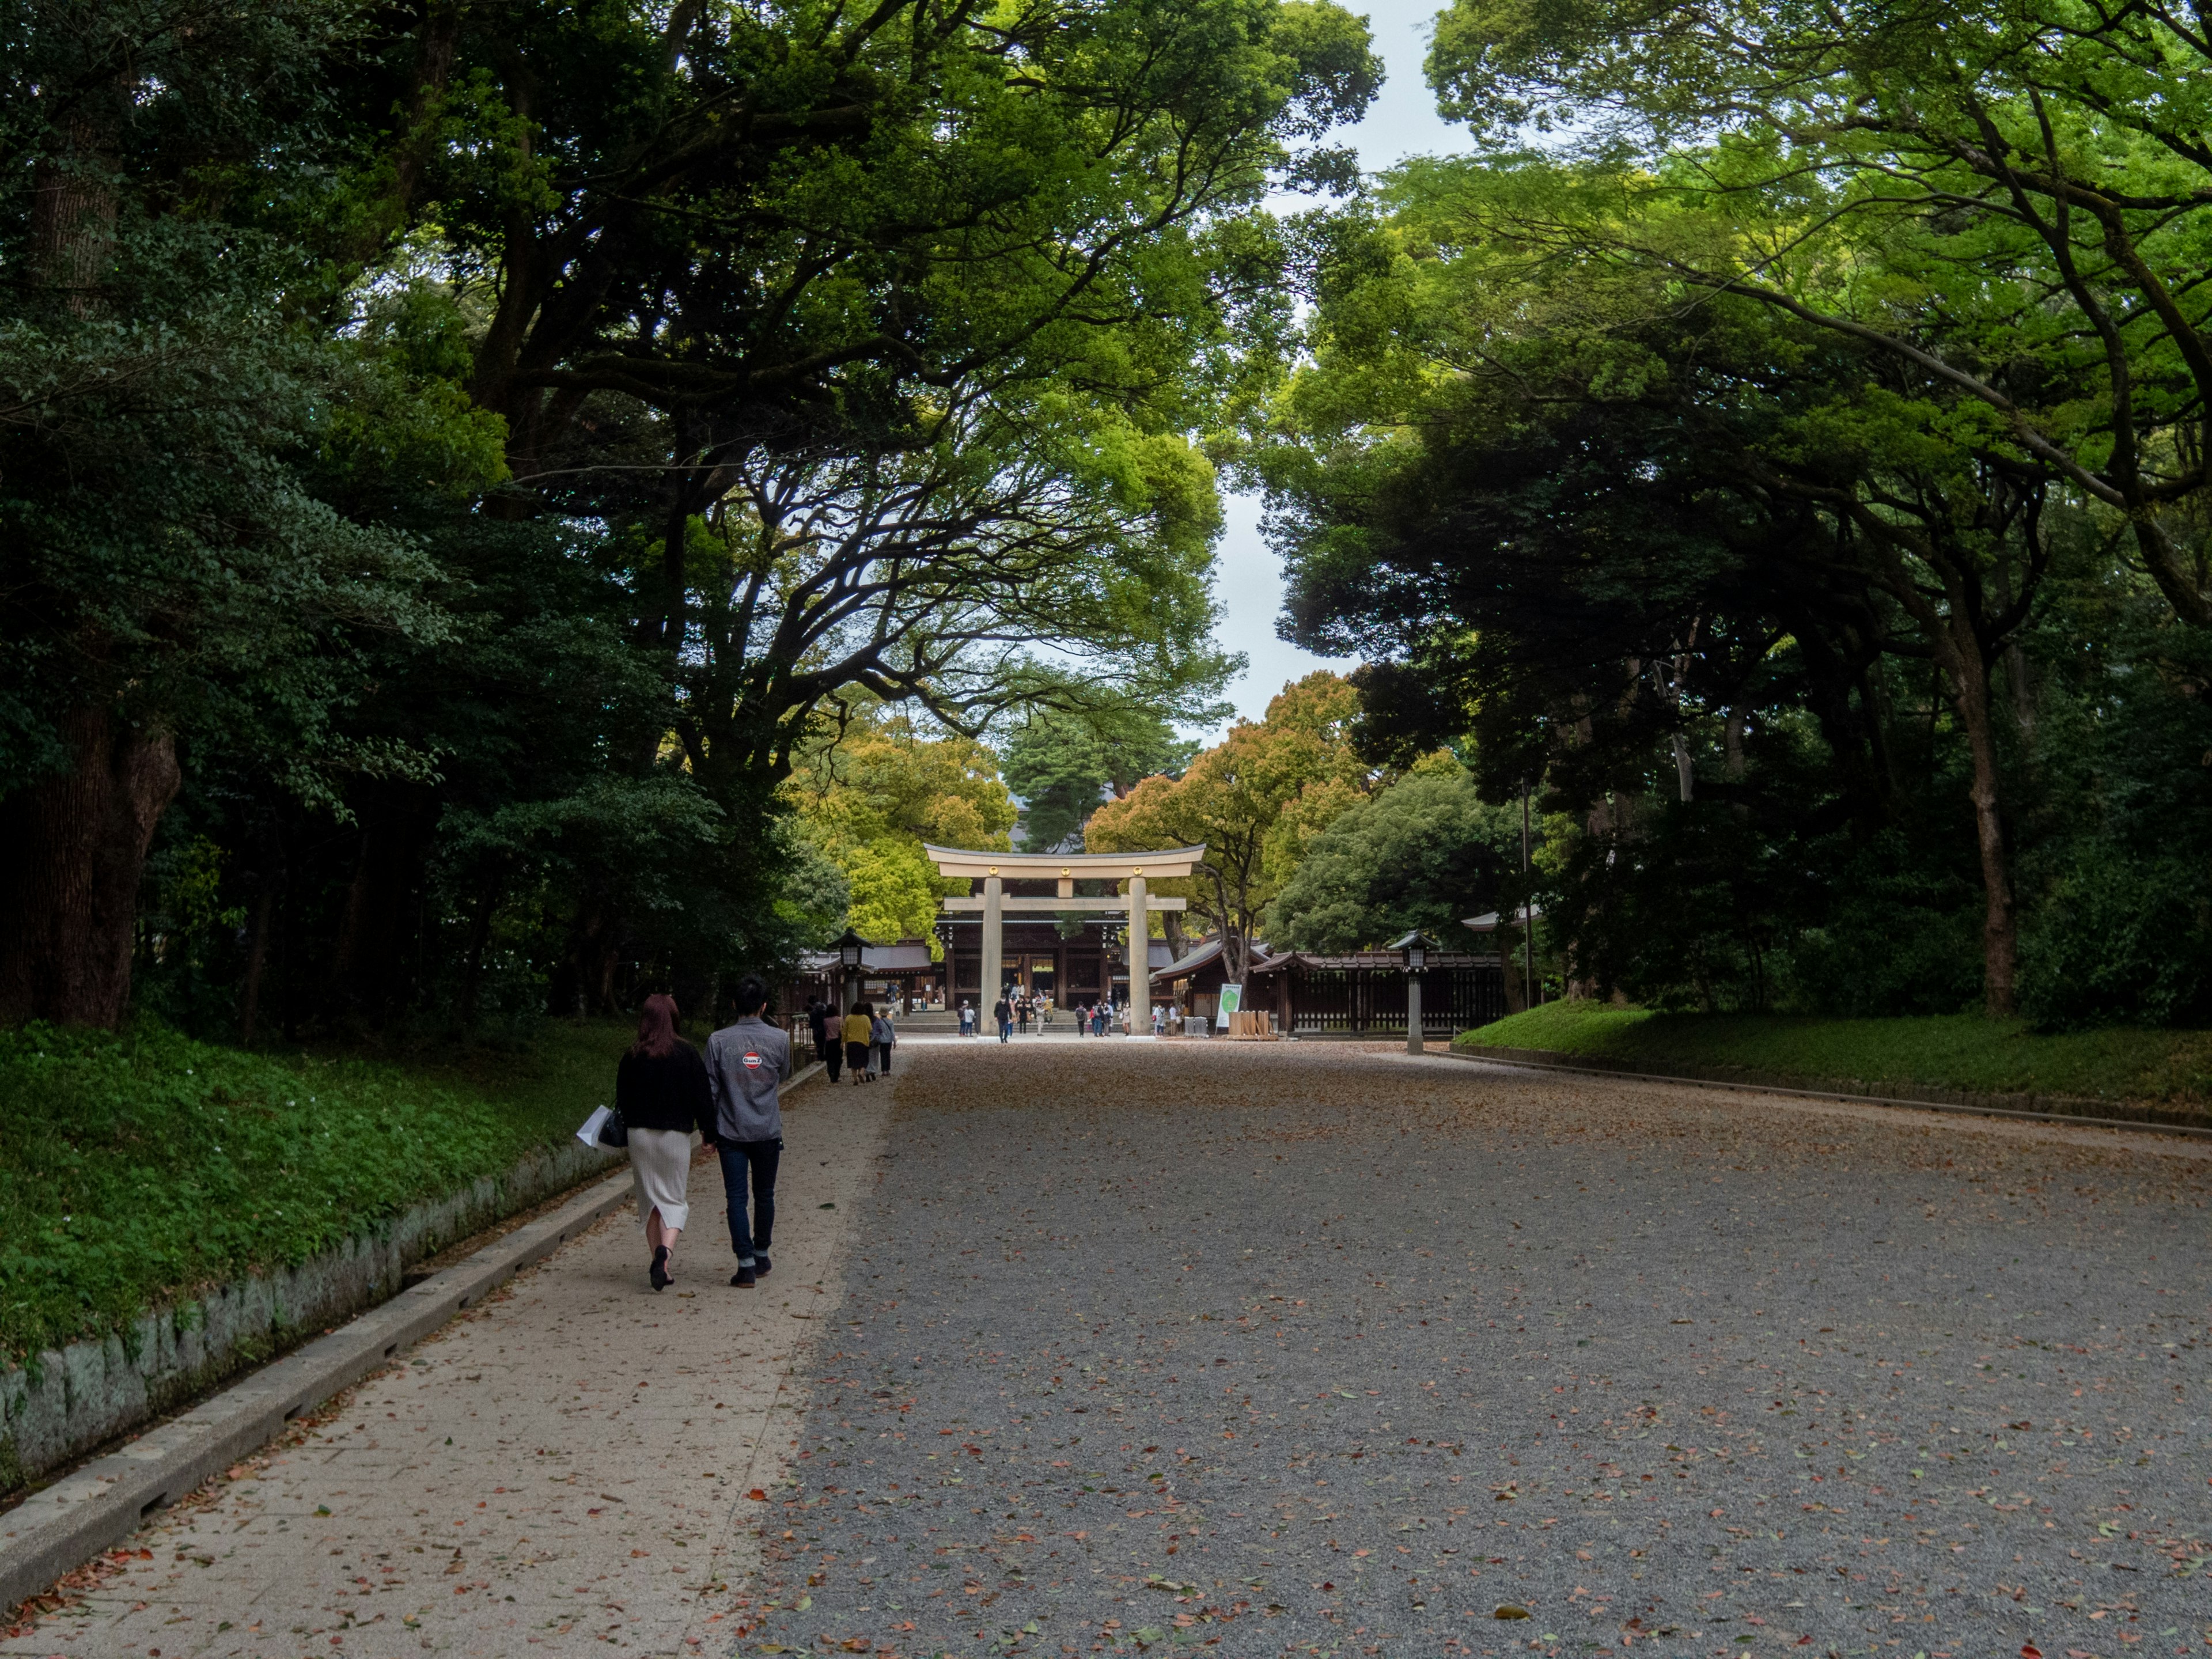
[
  {"x": 818, "y": 1032},
  {"x": 747, "y": 1064},
  {"x": 1022, "y": 1013},
  {"x": 1002, "y": 1015},
  {"x": 884, "y": 1034},
  {"x": 859, "y": 1035},
  {"x": 967, "y": 1019},
  {"x": 828, "y": 1046},
  {"x": 662, "y": 1091}
]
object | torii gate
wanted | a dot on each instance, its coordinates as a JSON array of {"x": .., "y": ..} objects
[{"x": 995, "y": 869}]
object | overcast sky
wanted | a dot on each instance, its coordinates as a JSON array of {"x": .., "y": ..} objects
[{"x": 1402, "y": 122}]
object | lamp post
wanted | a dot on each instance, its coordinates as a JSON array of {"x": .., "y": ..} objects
[
  {"x": 1415, "y": 948},
  {"x": 851, "y": 949}
]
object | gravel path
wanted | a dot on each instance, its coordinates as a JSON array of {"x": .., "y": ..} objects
[{"x": 1278, "y": 1349}]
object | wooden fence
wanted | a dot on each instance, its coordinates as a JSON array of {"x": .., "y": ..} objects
[{"x": 1356, "y": 999}]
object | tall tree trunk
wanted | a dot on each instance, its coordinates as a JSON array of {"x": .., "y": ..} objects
[
  {"x": 2000, "y": 923},
  {"x": 1960, "y": 654},
  {"x": 584, "y": 984},
  {"x": 72, "y": 848},
  {"x": 1508, "y": 940},
  {"x": 372, "y": 967},
  {"x": 256, "y": 956},
  {"x": 479, "y": 937},
  {"x": 74, "y": 845},
  {"x": 73, "y": 203},
  {"x": 345, "y": 953}
]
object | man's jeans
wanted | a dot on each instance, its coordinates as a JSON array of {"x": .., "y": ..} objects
[
  {"x": 761, "y": 1157},
  {"x": 1006, "y": 1027}
]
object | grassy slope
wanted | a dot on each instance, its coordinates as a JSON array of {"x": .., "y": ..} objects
[
  {"x": 1962, "y": 1051},
  {"x": 139, "y": 1167}
]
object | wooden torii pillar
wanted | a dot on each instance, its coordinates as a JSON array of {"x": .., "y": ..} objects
[{"x": 994, "y": 870}]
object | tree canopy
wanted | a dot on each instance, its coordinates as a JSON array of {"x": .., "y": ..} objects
[
  {"x": 459, "y": 459},
  {"x": 1733, "y": 463},
  {"x": 1426, "y": 853},
  {"x": 1064, "y": 765},
  {"x": 870, "y": 794},
  {"x": 1256, "y": 799}
]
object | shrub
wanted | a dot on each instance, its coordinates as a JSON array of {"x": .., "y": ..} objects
[{"x": 2119, "y": 939}]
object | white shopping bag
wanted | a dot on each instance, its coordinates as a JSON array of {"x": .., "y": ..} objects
[{"x": 589, "y": 1134}]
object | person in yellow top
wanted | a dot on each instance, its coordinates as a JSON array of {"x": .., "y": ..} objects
[{"x": 859, "y": 1032}]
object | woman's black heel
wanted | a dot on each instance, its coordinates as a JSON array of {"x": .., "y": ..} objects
[{"x": 658, "y": 1272}]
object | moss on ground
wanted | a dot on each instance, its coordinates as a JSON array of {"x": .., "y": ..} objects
[
  {"x": 142, "y": 1167},
  {"x": 1957, "y": 1051}
]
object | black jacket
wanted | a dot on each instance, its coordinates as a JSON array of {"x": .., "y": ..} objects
[{"x": 670, "y": 1092}]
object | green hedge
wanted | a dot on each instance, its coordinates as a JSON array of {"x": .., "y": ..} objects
[
  {"x": 135, "y": 1168},
  {"x": 1951, "y": 1051}
]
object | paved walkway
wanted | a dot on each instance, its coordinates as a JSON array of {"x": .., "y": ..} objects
[
  {"x": 563, "y": 1469},
  {"x": 1262, "y": 1349}
]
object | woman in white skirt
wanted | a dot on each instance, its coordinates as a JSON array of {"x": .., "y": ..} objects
[{"x": 662, "y": 1093}]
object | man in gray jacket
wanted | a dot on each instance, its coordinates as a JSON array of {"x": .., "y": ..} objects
[{"x": 747, "y": 1063}]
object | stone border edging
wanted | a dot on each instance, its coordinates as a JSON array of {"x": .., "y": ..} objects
[
  {"x": 1543, "y": 1060},
  {"x": 59, "y": 1405},
  {"x": 66, "y": 1524},
  {"x": 61, "y": 1527}
]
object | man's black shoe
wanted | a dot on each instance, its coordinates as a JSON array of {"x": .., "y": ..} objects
[
  {"x": 742, "y": 1279},
  {"x": 761, "y": 1265}
]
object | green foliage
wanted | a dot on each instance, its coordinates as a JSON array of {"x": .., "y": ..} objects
[
  {"x": 2001, "y": 196},
  {"x": 1839, "y": 689},
  {"x": 141, "y": 1167},
  {"x": 1895, "y": 935},
  {"x": 172, "y": 545},
  {"x": 496, "y": 467},
  {"x": 867, "y": 802},
  {"x": 186, "y": 443},
  {"x": 2121, "y": 937},
  {"x": 1063, "y": 764},
  {"x": 1425, "y": 852},
  {"x": 1255, "y": 801}
]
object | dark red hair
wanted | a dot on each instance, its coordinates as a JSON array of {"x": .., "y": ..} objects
[{"x": 656, "y": 1027}]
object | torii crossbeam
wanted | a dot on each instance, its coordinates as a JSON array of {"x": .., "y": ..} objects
[{"x": 1064, "y": 869}]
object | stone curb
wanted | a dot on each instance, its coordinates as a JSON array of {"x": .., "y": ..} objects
[
  {"x": 62, "y": 1406},
  {"x": 62, "y": 1527},
  {"x": 1538, "y": 1060},
  {"x": 66, "y": 1524}
]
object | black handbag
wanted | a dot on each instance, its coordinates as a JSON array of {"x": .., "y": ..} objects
[{"x": 614, "y": 1131}]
